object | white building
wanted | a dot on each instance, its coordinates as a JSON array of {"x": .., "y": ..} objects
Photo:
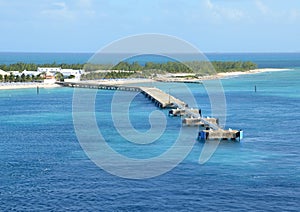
[
  {"x": 48, "y": 69},
  {"x": 52, "y": 71},
  {"x": 30, "y": 73},
  {"x": 3, "y": 73},
  {"x": 71, "y": 72}
]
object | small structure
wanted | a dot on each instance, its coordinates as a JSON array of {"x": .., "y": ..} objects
[
  {"x": 71, "y": 75},
  {"x": 200, "y": 122},
  {"x": 49, "y": 79},
  {"x": 210, "y": 134},
  {"x": 183, "y": 112}
]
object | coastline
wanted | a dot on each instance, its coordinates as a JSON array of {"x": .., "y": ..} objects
[
  {"x": 254, "y": 71},
  {"x": 11, "y": 86},
  {"x": 188, "y": 80}
]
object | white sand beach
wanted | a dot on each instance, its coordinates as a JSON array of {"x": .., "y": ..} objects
[
  {"x": 255, "y": 71},
  {"x": 8, "y": 86}
]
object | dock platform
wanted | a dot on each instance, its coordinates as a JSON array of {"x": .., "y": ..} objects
[
  {"x": 179, "y": 108},
  {"x": 220, "y": 134},
  {"x": 198, "y": 122}
]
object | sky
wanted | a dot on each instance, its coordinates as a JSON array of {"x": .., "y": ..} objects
[{"x": 210, "y": 25}]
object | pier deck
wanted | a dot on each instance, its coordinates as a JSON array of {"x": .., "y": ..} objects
[
  {"x": 164, "y": 100},
  {"x": 160, "y": 98}
]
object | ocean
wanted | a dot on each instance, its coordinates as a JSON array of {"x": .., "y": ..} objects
[
  {"x": 263, "y": 60},
  {"x": 43, "y": 167}
]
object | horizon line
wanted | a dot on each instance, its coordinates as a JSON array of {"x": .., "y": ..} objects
[{"x": 208, "y": 52}]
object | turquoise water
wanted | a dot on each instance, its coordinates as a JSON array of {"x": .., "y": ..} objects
[{"x": 43, "y": 166}]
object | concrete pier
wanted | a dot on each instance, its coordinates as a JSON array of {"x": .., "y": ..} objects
[
  {"x": 182, "y": 112},
  {"x": 220, "y": 134},
  {"x": 199, "y": 122},
  {"x": 160, "y": 98},
  {"x": 180, "y": 108}
]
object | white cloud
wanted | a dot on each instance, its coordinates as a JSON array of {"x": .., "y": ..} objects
[
  {"x": 60, "y": 5},
  {"x": 219, "y": 12},
  {"x": 71, "y": 12},
  {"x": 86, "y": 6},
  {"x": 58, "y": 10},
  {"x": 209, "y": 4},
  {"x": 85, "y": 3},
  {"x": 294, "y": 15},
  {"x": 275, "y": 13},
  {"x": 264, "y": 9}
]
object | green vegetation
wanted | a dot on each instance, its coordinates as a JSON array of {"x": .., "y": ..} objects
[
  {"x": 108, "y": 75},
  {"x": 90, "y": 67},
  {"x": 22, "y": 78},
  {"x": 33, "y": 67},
  {"x": 233, "y": 66},
  {"x": 170, "y": 67},
  {"x": 150, "y": 69},
  {"x": 126, "y": 70}
]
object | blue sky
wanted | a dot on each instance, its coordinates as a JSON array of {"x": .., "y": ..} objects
[{"x": 211, "y": 25}]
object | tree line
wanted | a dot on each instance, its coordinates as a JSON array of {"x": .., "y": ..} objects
[
  {"x": 108, "y": 75},
  {"x": 22, "y": 78},
  {"x": 170, "y": 67},
  {"x": 33, "y": 67},
  {"x": 134, "y": 69},
  {"x": 199, "y": 68}
]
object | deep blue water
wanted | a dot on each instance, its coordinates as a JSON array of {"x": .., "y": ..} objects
[
  {"x": 43, "y": 58},
  {"x": 263, "y": 60},
  {"x": 43, "y": 166}
]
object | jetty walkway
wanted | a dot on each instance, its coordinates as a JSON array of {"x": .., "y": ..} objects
[
  {"x": 160, "y": 98},
  {"x": 210, "y": 127}
]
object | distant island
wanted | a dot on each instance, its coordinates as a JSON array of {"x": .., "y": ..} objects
[{"x": 30, "y": 72}]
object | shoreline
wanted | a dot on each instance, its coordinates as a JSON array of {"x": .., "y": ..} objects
[
  {"x": 13, "y": 86},
  {"x": 223, "y": 75},
  {"x": 254, "y": 71}
]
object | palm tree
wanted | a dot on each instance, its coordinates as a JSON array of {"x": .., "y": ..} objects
[
  {"x": 23, "y": 77},
  {"x": 59, "y": 76},
  {"x": 11, "y": 77}
]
